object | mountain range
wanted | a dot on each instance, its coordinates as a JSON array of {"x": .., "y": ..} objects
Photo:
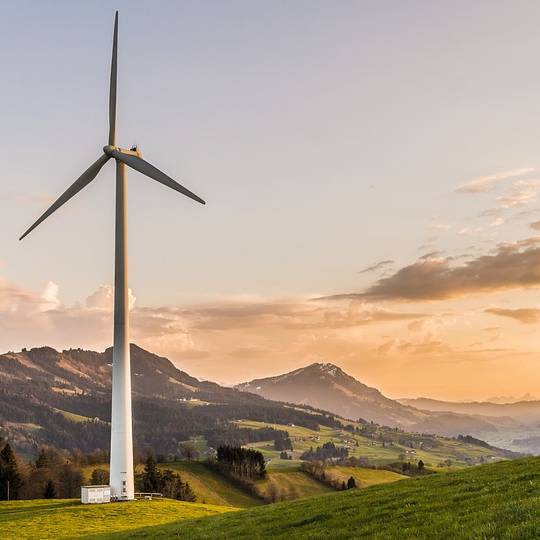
[
  {"x": 326, "y": 386},
  {"x": 48, "y": 397},
  {"x": 62, "y": 398}
]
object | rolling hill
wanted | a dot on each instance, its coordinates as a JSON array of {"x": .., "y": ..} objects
[
  {"x": 521, "y": 411},
  {"x": 496, "y": 501},
  {"x": 62, "y": 399},
  {"x": 328, "y": 387},
  {"x": 518, "y": 423}
]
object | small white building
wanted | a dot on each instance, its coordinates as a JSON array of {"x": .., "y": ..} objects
[{"x": 95, "y": 494}]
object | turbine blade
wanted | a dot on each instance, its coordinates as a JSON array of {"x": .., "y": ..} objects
[
  {"x": 112, "y": 92},
  {"x": 81, "y": 182},
  {"x": 149, "y": 170}
]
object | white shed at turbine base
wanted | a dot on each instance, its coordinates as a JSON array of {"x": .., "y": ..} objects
[{"x": 95, "y": 494}]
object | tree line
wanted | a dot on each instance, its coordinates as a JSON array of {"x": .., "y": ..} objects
[
  {"x": 241, "y": 463},
  {"x": 54, "y": 474},
  {"x": 327, "y": 451}
]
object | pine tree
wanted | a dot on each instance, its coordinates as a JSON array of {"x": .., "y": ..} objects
[
  {"x": 10, "y": 479},
  {"x": 152, "y": 479},
  {"x": 42, "y": 461},
  {"x": 186, "y": 493},
  {"x": 49, "y": 491}
]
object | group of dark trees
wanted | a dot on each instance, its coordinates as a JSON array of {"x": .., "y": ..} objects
[
  {"x": 241, "y": 463},
  {"x": 320, "y": 471},
  {"x": 468, "y": 439},
  {"x": 327, "y": 451},
  {"x": 54, "y": 474},
  {"x": 409, "y": 468},
  {"x": 51, "y": 475},
  {"x": 283, "y": 443},
  {"x": 167, "y": 482}
]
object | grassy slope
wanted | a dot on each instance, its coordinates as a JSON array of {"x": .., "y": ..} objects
[
  {"x": 496, "y": 501},
  {"x": 364, "y": 477},
  {"x": 211, "y": 487},
  {"x": 291, "y": 484},
  {"x": 208, "y": 486},
  {"x": 68, "y": 518},
  {"x": 304, "y": 438}
]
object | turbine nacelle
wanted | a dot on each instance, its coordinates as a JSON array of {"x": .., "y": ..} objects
[{"x": 109, "y": 150}]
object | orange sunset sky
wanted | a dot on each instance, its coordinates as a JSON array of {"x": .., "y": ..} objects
[{"x": 372, "y": 175}]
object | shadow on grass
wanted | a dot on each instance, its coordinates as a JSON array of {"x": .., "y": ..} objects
[{"x": 42, "y": 509}]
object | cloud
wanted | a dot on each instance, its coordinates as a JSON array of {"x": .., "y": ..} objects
[
  {"x": 103, "y": 298},
  {"x": 485, "y": 183},
  {"x": 523, "y": 315},
  {"x": 432, "y": 255},
  {"x": 512, "y": 266},
  {"x": 521, "y": 193},
  {"x": 197, "y": 332},
  {"x": 377, "y": 266}
]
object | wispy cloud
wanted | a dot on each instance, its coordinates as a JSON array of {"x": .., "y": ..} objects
[
  {"x": 485, "y": 183},
  {"x": 521, "y": 193},
  {"x": 523, "y": 315},
  {"x": 377, "y": 266}
]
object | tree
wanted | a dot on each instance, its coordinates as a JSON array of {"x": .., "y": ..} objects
[
  {"x": 186, "y": 493},
  {"x": 173, "y": 487},
  {"x": 283, "y": 444},
  {"x": 421, "y": 466},
  {"x": 351, "y": 483},
  {"x": 10, "y": 479},
  {"x": 49, "y": 492},
  {"x": 69, "y": 481},
  {"x": 152, "y": 481},
  {"x": 241, "y": 462},
  {"x": 42, "y": 460},
  {"x": 189, "y": 451},
  {"x": 100, "y": 477}
]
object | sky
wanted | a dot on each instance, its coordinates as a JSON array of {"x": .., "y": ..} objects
[{"x": 371, "y": 172}]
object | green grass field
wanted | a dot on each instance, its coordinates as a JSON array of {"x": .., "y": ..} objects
[
  {"x": 499, "y": 501},
  {"x": 364, "y": 477},
  {"x": 290, "y": 485},
  {"x": 490, "y": 502},
  {"x": 63, "y": 519},
  {"x": 360, "y": 446},
  {"x": 210, "y": 487}
]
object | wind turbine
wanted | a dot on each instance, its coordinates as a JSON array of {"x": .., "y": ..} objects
[{"x": 121, "y": 465}]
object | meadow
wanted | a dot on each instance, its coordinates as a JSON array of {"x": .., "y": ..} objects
[
  {"x": 489, "y": 502},
  {"x": 494, "y": 501},
  {"x": 443, "y": 450},
  {"x": 68, "y": 518}
]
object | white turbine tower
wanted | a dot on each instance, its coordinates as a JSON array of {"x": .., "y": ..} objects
[{"x": 121, "y": 466}]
